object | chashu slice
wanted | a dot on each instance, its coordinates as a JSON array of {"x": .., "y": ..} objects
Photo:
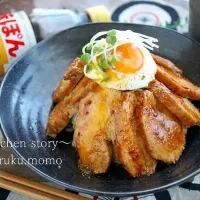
[
  {"x": 114, "y": 104},
  {"x": 65, "y": 110},
  {"x": 181, "y": 107},
  {"x": 130, "y": 148},
  {"x": 161, "y": 130},
  {"x": 71, "y": 77},
  {"x": 166, "y": 63},
  {"x": 177, "y": 83},
  {"x": 91, "y": 138}
]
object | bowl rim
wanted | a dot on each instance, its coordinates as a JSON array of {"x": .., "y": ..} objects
[{"x": 76, "y": 188}]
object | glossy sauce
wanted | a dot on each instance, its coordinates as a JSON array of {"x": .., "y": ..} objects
[{"x": 94, "y": 117}]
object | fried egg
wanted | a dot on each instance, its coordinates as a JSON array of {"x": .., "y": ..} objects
[{"x": 134, "y": 68}]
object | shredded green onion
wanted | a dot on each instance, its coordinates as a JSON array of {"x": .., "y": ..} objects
[
  {"x": 105, "y": 79},
  {"x": 85, "y": 57},
  {"x": 88, "y": 68},
  {"x": 101, "y": 48},
  {"x": 101, "y": 52}
]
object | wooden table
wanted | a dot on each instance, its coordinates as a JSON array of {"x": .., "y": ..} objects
[{"x": 7, "y": 6}]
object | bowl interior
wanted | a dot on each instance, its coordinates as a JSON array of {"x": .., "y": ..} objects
[{"x": 26, "y": 97}]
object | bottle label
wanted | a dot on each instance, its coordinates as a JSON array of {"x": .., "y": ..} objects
[{"x": 16, "y": 37}]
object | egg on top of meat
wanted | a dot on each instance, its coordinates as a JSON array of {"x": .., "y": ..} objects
[{"x": 120, "y": 60}]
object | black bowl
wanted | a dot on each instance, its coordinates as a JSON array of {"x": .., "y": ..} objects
[{"x": 26, "y": 100}]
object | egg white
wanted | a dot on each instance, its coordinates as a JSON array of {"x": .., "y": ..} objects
[{"x": 137, "y": 80}]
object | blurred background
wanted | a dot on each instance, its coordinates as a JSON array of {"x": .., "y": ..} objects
[
  {"x": 165, "y": 10},
  {"x": 27, "y": 5}
]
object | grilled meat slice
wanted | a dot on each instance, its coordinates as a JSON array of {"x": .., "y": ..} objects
[
  {"x": 91, "y": 137},
  {"x": 64, "y": 110},
  {"x": 114, "y": 97},
  {"x": 166, "y": 63},
  {"x": 129, "y": 145},
  {"x": 161, "y": 130},
  {"x": 187, "y": 113},
  {"x": 177, "y": 83},
  {"x": 71, "y": 77}
]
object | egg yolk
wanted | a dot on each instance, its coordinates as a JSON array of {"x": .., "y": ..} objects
[{"x": 131, "y": 59}]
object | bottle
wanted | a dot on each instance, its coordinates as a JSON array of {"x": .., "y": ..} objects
[
  {"x": 16, "y": 37},
  {"x": 47, "y": 22},
  {"x": 18, "y": 32}
]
